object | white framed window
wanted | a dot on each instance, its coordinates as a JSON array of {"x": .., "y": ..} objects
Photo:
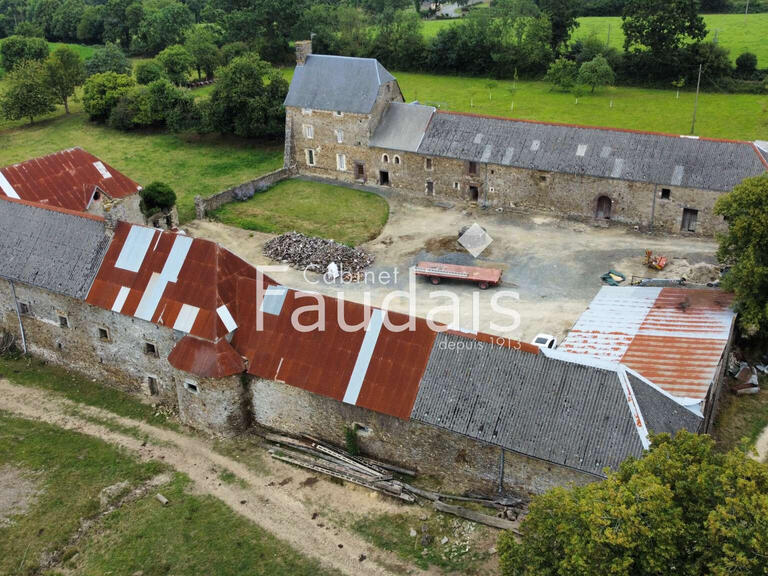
[
  {"x": 339, "y": 136},
  {"x": 455, "y": 185},
  {"x": 306, "y": 111},
  {"x": 396, "y": 159},
  {"x": 338, "y": 113},
  {"x": 192, "y": 386},
  {"x": 310, "y": 154},
  {"x": 309, "y": 131},
  {"x": 427, "y": 163},
  {"x": 385, "y": 158},
  {"x": 341, "y": 162}
]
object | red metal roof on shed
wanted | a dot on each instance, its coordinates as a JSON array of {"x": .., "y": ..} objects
[
  {"x": 206, "y": 359},
  {"x": 66, "y": 179}
]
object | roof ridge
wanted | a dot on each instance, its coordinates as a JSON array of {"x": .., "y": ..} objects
[
  {"x": 67, "y": 211},
  {"x": 34, "y": 158},
  {"x": 763, "y": 157},
  {"x": 592, "y": 127}
]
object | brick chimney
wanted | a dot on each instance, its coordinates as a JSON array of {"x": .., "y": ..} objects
[{"x": 303, "y": 49}]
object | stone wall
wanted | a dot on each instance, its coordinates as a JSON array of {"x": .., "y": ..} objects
[
  {"x": 112, "y": 348},
  {"x": 453, "y": 460},
  {"x": 204, "y": 206}
]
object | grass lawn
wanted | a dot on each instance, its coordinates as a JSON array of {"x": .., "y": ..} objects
[
  {"x": 732, "y": 32},
  {"x": 190, "y": 164},
  {"x": 313, "y": 208},
  {"x": 192, "y": 535},
  {"x": 741, "y": 417},
  {"x": 35, "y": 373}
]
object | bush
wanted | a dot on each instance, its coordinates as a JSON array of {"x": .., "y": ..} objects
[
  {"x": 147, "y": 72},
  {"x": 177, "y": 62},
  {"x": 103, "y": 91},
  {"x": 28, "y": 29},
  {"x": 232, "y": 50},
  {"x": 108, "y": 59},
  {"x": 350, "y": 437},
  {"x": 16, "y": 49},
  {"x": 746, "y": 65},
  {"x": 563, "y": 73},
  {"x": 156, "y": 197}
]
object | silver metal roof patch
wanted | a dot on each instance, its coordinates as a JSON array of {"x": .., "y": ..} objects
[
  {"x": 535, "y": 145},
  {"x": 677, "y": 175},
  {"x": 486, "y": 153},
  {"x": 478, "y": 138},
  {"x": 605, "y": 152},
  {"x": 6, "y": 187},
  {"x": 364, "y": 357},
  {"x": 581, "y": 150},
  {"x": 508, "y": 156},
  {"x": 618, "y": 168},
  {"x": 135, "y": 248}
]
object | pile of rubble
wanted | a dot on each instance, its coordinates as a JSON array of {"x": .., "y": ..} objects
[
  {"x": 311, "y": 253},
  {"x": 745, "y": 375}
]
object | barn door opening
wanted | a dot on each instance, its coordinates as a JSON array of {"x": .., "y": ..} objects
[
  {"x": 474, "y": 193},
  {"x": 604, "y": 205},
  {"x": 690, "y": 216},
  {"x": 359, "y": 171}
]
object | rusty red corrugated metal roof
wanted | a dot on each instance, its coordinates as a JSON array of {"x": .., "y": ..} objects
[
  {"x": 66, "y": 179},
  {"x": 674, "y": 337},
  {"x": 206, "y": 359}
]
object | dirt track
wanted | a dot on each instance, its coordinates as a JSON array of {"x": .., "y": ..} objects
[{"x": 283, "y": 510}]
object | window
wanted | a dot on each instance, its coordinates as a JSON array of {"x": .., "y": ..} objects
[
  {"x": 542, "y": 178},
  {"x": 341, "y": 162},
  {"x": 397, "y": 159},
  {"x": 339, "y": 136},
  {"x": 306, "y": 111},
  {"x": 690, "y": 216},
  {"x": 191, "y": 386},
  {"x": 310, "y": 157},
  {"x": 152, "y": 386},
  {"x": 338, "y": 113},
  {"x": 430, "y": 188},
  {"x": 385, "y": 158},
  {"x": 63, "y": 321},
  {"x": 455, "y": 185},
  {"x": 472, "y": 168},
  {"x": 97, "y": 196},
  {"x": 427, "y": 163},
  {"x": 665, "y": 193},
  {"x": 309, "y": 131},
  {"x": 150, "y": 349},
  {"x": 104, "y": 334},
  {"x": 24, "y": 308}
]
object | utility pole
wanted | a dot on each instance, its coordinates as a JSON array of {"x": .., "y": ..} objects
[
  {"x": 608, "y": 42},
  {"x": 696, "y": 102},
  {"x": 746, "y": 11}
]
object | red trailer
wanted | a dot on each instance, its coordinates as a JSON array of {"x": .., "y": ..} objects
[{"x": 437, "y": 271}]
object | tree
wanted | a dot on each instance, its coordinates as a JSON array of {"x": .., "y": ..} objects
[
  {"x": 562, "y": 15},
  {"x": 746, "y": 65},
  {"x": 163, "y": 24},
  {"x": 102, "y": 92},
  {"x": 683, "y": 508},
  {"x": 202, "y": 44},
  {"x": 66, "y": 19},
  {"x": 91, "y": 26},
  {"x": 27, "y": 95},
  {"x": 64, "y": 71},
  {"x": 662, "y": 26},
  {"x": 597, "y": 72},
  {"x": 744, "y": 247},
  {"x": 177, "y": 63},
  {"x": 399, "y": 42},
  {"x": 563, "y": 73},
  {"x": 16, "y": 49},
  {"x": 150, "y": 71},
  {"x": 29, "y": 29},
  {"x": 247, "y": 99},
  {"x": 108, "y": 59},
  {"x": 157, "y": 196},
  {"x": 232, "y": 50}
]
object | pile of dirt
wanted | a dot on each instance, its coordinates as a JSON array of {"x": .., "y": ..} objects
[
  {"x": 17, "y": 493},
  {"x": 702, "y": 273},
  {"x": 312, "y": 253}
]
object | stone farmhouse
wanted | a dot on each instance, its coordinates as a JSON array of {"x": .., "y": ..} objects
[
  {"x": 76, "y": 180},
  {"x": 346, "y": 120},
  {"x": 185, "y": 322}
]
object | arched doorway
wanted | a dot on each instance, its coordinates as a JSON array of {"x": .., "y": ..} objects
[{"x": 604, "y": 205}]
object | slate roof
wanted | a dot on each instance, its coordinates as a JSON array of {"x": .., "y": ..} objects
[
  {"x": 661, "y": 412},
  {"x": 762, "y": 148},
  {"x": 402, "y": 127},
  {"x": 572, "y": 414},
  {"x": 666, "y": 160},
  {"x": 66, "y": 179},
  {"x": 56, "y": 250},
  {"x": 339, "y": 83}
]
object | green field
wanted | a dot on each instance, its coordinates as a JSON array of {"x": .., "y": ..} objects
[
  {"x": 733, "y": 32},
  {"x": 312, "y": 208}
]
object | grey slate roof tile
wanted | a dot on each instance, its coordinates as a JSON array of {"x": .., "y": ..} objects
[
  {"x": 643, "y": 157},
  {"x": 338, "y": 83},
  {"x": 49, "y": 249},
  {"x": 402, "y": 127},
  {"x": 661, "y": 413}
]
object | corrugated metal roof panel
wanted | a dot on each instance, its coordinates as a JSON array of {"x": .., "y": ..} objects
[
  {"x": 66, "y": 179},
  {"x": 206, "y": 359},
  {"x": 675, "y": 337}
]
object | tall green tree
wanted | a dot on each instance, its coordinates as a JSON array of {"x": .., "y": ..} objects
[
  {"x": 64, "y": 71},
  {"x": 562, "y": 14},
  {"x": 662, "y": 26},
  {"x": 66, "y": 19},
  {"x": 177, "y": 62},
  {"x": 596, "y": 73},
  {"x": 744, "y": 247},
  {"x": 399, "y": 42},
  {"x": 202, "y": 42},
  {"x": 108, "y": 59},
  {"x": 683, "y": 508},
  {"x": 16, "y": 49},
  {"x": 27, "y": 94},
  {"x": 247, "y": 99}
]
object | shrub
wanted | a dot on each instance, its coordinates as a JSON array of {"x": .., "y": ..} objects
[
  {"x": 177, "y": 62},
  {"x": 16, "y": 49},
  {"x": 156, "y": 197},
  {"x": 149, "y": 71},
  {"x": 746, "y": 65},
  {"x": 103, "y": 91},
  {"x": 232, "y": 50},
  {"x": 563, "y": 73},
  {"x": 108, "y": 59},
  {"x": 350, "y": 437}
]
